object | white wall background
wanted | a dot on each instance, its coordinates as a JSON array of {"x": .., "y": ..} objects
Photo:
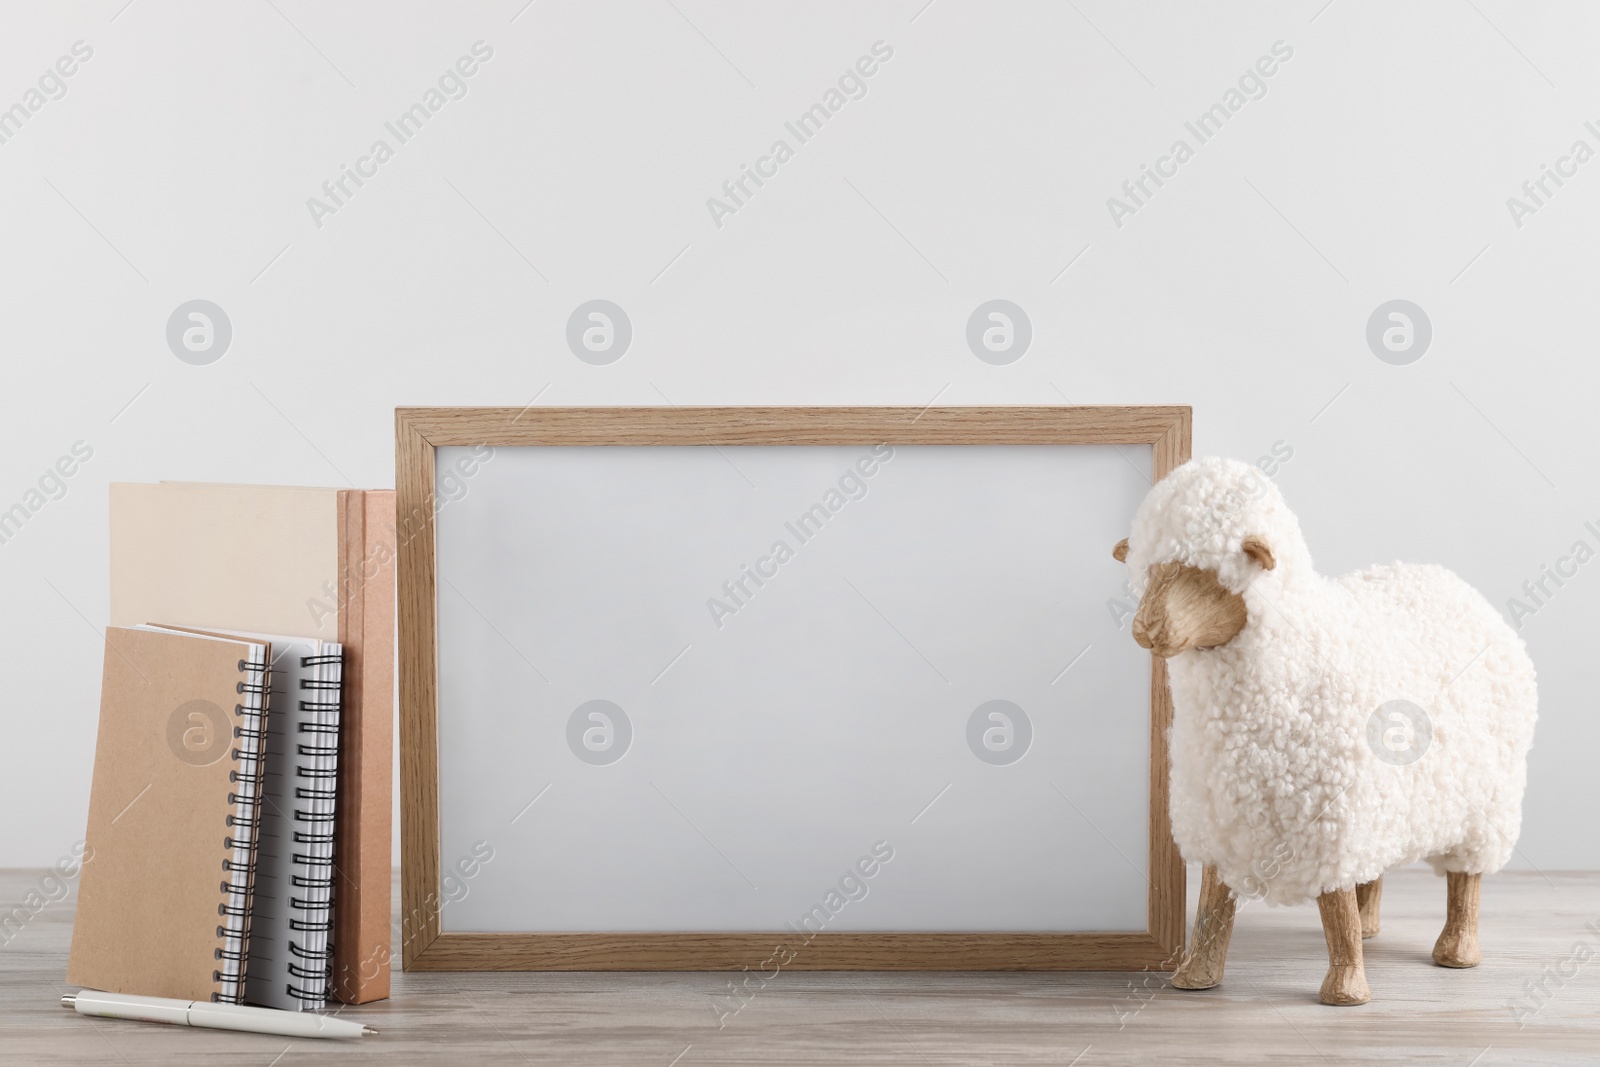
[{"x": 178, "y": 163}]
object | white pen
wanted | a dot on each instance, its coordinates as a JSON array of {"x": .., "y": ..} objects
[{"x": 214, "y": 1016}]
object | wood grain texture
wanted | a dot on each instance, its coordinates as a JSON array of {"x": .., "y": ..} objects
[
  {"x": 419, "y": 431},
  {"x": 1345, "y": 984},
  {"x": 417, "y": 659},
  {"x": 1172, "y": 450},
  {"x": 1458, "y": 942},
  {"x": 1265, "y": 1014},
  {"x": 824, "y": 952},
  {"x": 1166, "y": 427},
  {"x": 1206, "y": 957},
  {"x": 1369, "y": 898}
]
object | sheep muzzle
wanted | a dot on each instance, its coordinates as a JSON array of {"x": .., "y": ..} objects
[{"x": 1186, "y": 608}]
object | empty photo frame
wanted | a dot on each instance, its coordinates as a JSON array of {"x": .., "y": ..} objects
[{"x": 822, "y": 688}]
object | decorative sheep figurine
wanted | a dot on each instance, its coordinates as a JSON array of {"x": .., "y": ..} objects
[{"x": 1324, "y": 729}]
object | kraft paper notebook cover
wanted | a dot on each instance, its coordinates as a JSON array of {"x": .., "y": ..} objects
[
  {"x": 164, "y": 905},
  {"x": 316, "y": 562}
]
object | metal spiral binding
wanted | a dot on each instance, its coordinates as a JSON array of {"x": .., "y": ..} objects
[
  {"x": 240, "y": 840},
  {"x": 321, "y": 964},
  {"x": 314, "y": 975},
  {"x": 322, "y": 967}
]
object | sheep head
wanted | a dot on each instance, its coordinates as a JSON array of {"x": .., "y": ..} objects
[{"x": 1205, "y": 534}]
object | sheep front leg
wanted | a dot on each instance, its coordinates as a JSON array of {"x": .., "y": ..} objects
[
  {"x": 1367, "y": 896},
  {"x": 1458, "y": 944},
  {"x": 1201, "y": 966},
  {"x": 1346, "y": 982}
]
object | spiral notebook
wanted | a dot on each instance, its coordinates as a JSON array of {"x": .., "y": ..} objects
[
  {"x": 290, "y": 959},
  {"x": 173, "y": 806}
]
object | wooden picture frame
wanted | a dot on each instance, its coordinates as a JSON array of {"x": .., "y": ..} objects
[{"x": 426, "y": 947}]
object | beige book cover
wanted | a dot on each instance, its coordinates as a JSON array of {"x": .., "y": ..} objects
[
  {"x": 315, "y": 562},
  {"x": 363, "y": 853},
  {"x": 164, "y": 864},
  {"x": 226, "y": 557}
]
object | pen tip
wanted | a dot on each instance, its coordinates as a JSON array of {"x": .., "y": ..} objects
[
  {"x": 68, "y": 999},
  {"x": 367, "y": 1030}
]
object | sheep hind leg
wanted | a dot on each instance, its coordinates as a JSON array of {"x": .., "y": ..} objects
[
  {"x": 1346, "y": 982},
  {"x": 1458, "y": 943},
  {"x": 1207, "y": 953},
  {"x": 1368, "y": 894}
]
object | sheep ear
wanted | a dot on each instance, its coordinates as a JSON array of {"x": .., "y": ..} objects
[
  {"x": 1260, "y": 552},
  {"x": 1120, "y": 552}
]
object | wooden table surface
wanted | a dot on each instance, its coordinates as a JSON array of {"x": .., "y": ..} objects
[{"x": 1534, "y": 934}]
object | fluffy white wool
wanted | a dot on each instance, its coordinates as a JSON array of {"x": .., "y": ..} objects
[{"x": 1273, "y": 779}]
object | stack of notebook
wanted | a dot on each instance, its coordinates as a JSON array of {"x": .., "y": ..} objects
[{"x": 240, "y": 810}]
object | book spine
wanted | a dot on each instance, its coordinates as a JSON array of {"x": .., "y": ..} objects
[
  {"x": 316, "y": 790},
  {"x": 245, "y": 779}
]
